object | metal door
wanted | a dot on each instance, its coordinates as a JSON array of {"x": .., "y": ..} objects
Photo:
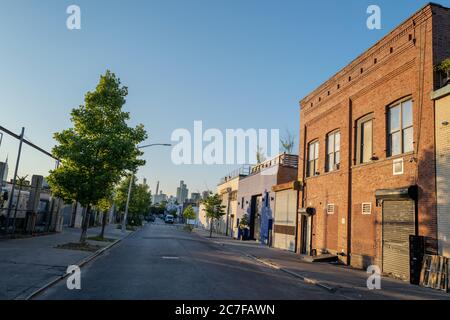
[{"x": 398, "y": 225}]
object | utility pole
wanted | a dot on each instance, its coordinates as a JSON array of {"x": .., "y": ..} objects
[
  {"x": 14, "y": 180},
  {"x": 125, "y": 216}
]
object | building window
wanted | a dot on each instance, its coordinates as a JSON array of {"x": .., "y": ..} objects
[
  {"x": 364, "y": 137},
  {"x": 333, "y": 151},
  {"x": 400, "y": 128},
  {"x": 313, "y": 159},
  {"x": 242, "y": 203}
]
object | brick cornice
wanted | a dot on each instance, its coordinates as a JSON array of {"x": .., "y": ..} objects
[{"x": 395, "y": 35}]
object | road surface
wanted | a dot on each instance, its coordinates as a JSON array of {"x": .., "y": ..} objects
[{"x": 164, "y": 262}]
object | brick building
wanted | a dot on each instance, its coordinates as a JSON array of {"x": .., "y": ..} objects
[{"x": 367, "y": 149}]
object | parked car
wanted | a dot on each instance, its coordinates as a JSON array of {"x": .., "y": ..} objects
[{"x": 169, "y": 219}]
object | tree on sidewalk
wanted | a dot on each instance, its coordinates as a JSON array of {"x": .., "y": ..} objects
[
  {"x": 104, "y": 205},
  {"x": 140, "y": 200},
  {"x": 189, "y": 214},
  {"x": 214, "y": 210},
  {"x": 97, "y": 151}
]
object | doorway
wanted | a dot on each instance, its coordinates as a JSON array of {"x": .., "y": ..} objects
[
  {"x": 255, "y": 217},
  {"x": 306, "y": 223}
]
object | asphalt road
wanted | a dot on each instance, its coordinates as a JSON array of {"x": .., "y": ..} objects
[{"x": 164, "y": 262}]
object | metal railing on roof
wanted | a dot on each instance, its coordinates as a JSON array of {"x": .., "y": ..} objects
[{"x": 284, "y": 160}]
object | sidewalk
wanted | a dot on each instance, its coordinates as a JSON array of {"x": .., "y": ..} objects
[
  {"x": 344, "y": 281},
  {"x": 28, "y": 264}
]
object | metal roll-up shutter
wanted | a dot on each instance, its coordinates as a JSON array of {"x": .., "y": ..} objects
[{"x": 398, "y": 225}]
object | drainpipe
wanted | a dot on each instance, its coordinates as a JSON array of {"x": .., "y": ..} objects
[
  {"x": 305, "y": 129},
  {"x": 349, "y": 187}
]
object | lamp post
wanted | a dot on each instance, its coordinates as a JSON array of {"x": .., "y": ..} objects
[{"x": 124, "y": 222}]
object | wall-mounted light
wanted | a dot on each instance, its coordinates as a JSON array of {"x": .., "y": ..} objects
[{"x": 445, "y": 123}]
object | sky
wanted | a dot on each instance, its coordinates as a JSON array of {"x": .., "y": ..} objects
[{"x": 229, "y": 63}]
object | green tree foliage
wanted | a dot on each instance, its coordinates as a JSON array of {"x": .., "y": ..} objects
[
  {"x": 189, "y": 213},
  {"x": 244, "y": 222},
  {"x": 444, "y": 66},
  {"x": 140, "y": 200},
  {"x": 97, "y": 151},
  {"x": 214, "y": 209}
]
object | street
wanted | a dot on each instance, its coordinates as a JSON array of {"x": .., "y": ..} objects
[{"x": 165, "y": 262}]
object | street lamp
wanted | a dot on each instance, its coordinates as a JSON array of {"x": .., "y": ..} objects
[{"x": 124, "y": 222}]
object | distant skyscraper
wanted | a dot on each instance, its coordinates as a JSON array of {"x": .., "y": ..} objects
[
  {"x": 182, "y": 192},
  {"x": 195, "y": 196}
]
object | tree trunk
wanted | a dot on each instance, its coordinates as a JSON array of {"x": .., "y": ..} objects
[
  {"x": 102, "y": 234},
  {"x": 211, "y": 228},
  {"x": 84, "y": 225}
]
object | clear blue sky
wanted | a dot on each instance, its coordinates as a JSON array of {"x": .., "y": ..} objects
[{"x": 230, "y": 63}]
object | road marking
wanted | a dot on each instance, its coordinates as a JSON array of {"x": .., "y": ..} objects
[{"x": 171, "y": 258}]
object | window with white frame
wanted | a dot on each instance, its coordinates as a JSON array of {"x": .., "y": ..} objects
[
  {"x": 333, "y": 160},
  {"x": 313, "y": 159},
  {"x": 400, "y": 128}
]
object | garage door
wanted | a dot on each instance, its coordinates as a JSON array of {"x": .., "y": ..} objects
[
  {"x": 398, "y": 225},
  {"x": 285, "y": 220}
]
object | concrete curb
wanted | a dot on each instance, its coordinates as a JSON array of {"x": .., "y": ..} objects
[
  {"x": 294, "y": 274},
  {"x": 79, "y": 264},
  {"x": 277, "y": 267}
]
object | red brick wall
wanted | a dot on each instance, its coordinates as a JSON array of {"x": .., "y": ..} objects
[{"x": 404, "y": 67}]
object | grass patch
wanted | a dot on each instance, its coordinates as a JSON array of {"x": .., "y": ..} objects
[
  {"x": 79, "y": 246},
  {"x": 98, "y": 238}
]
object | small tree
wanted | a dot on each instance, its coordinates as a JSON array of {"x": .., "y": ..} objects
[
  {"x": 287, "y": 142},
  {"x": 444, "y": 69},
  {"x": 189, "y": 213},
  {"x": 140, "y": 200},
  {"x": 244, "y": 222},
  {"x": 214, "y": 209},
  {"x": 260, "y": 157}
]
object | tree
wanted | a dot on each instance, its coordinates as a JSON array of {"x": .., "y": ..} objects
[
  {"x": 97, "y": 151},
  {"x": 189, "y": 213},
  {"x": 104, "y": 205},
  {"x": 140, "y": 200},
  {"x": 260, "y": 157},
  {"x": 287, "y": 142},
  {"x": 244, "y": 222},
  {"x": 214, "y": 209}
]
